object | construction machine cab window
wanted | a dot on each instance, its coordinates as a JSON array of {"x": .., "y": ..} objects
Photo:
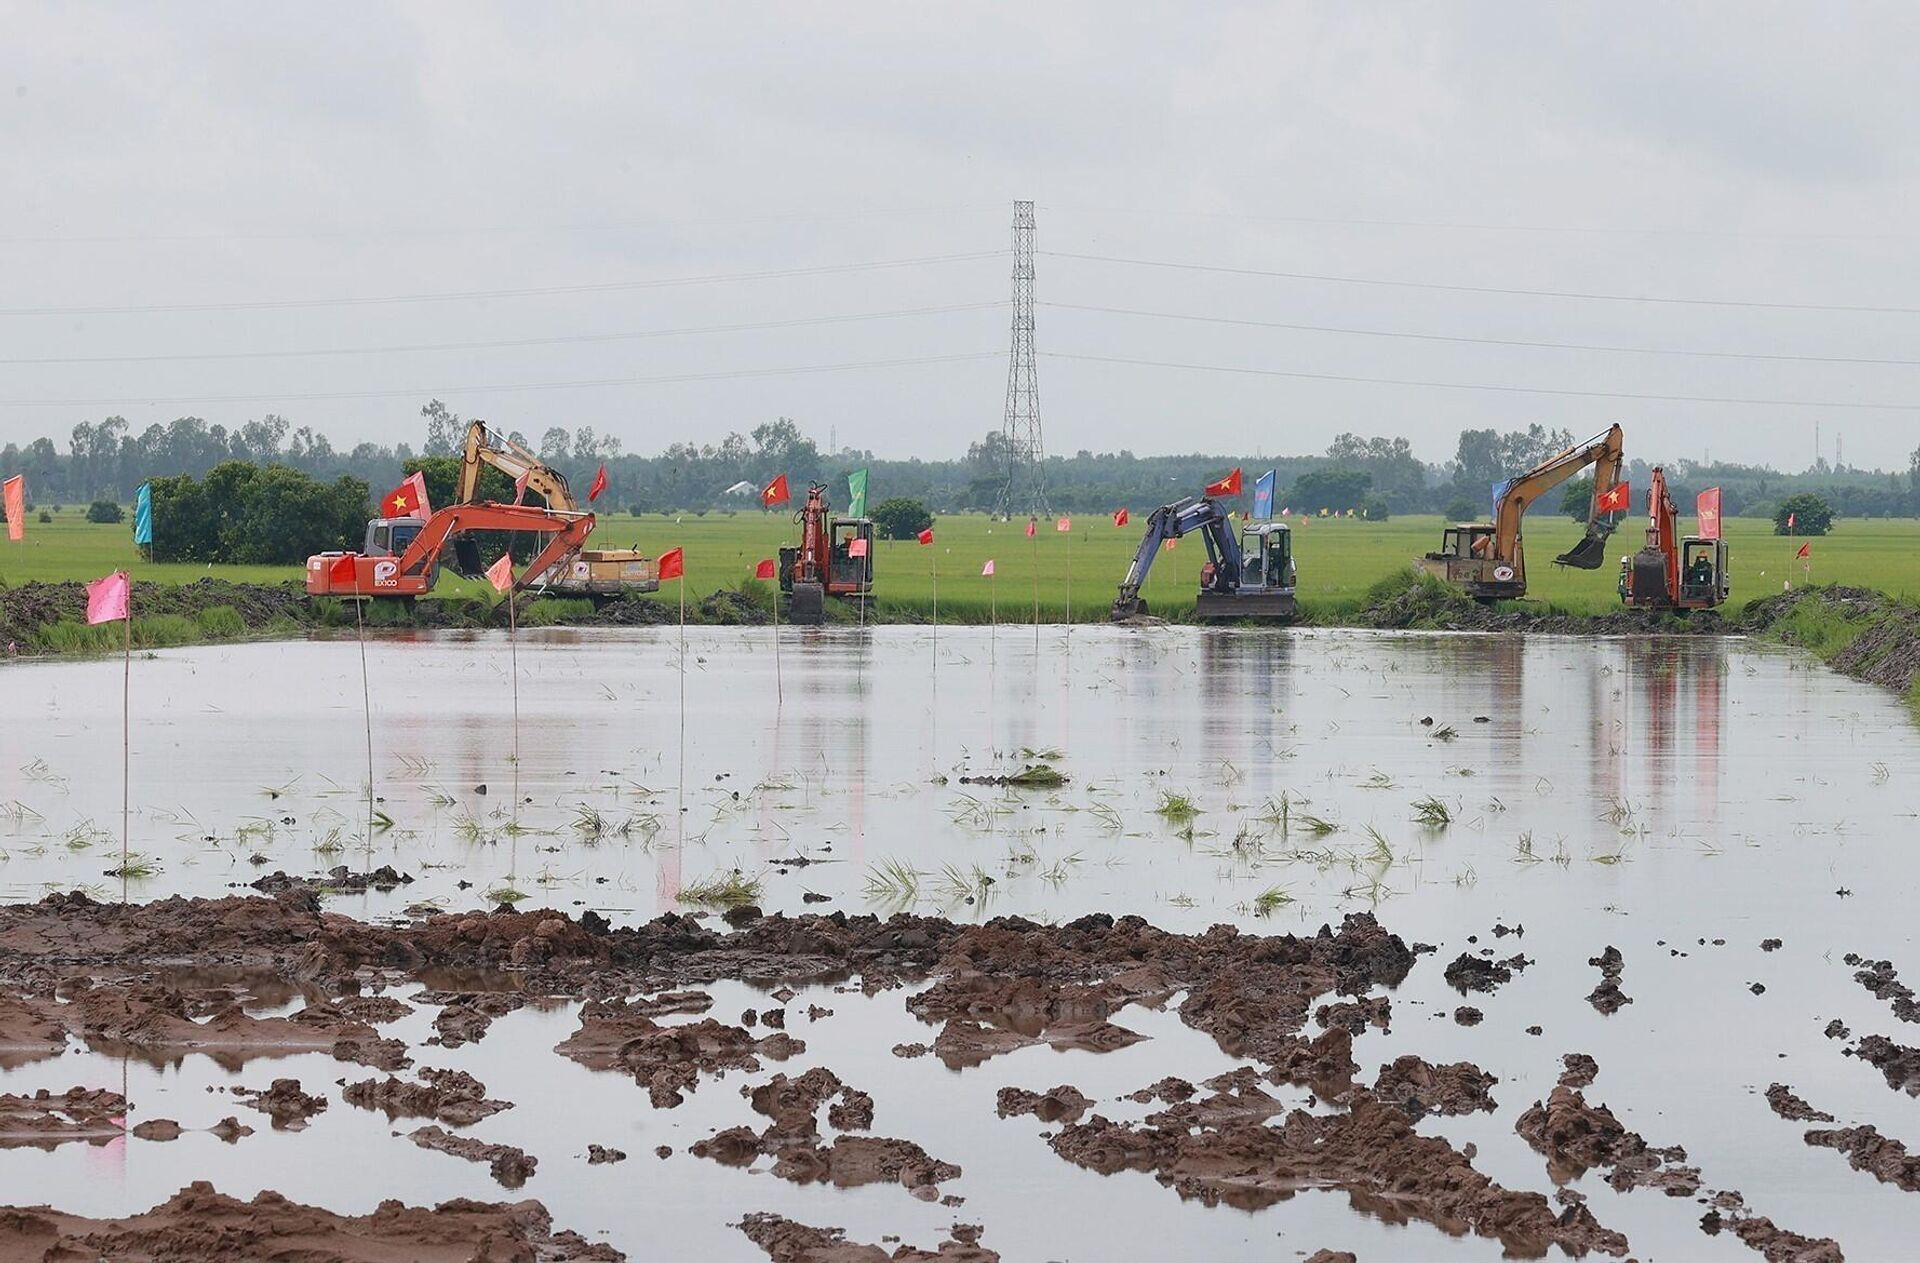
[
  {"x": 1466, "y": 541},
  {"x": 1699, "y": 572},
  {"x": 390, "y": 539}
]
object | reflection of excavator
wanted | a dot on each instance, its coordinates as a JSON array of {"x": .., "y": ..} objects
[
  {"x": 833, "y": 558},
  {"x": 1486, "y": 558},
  {"x": 1671, "y": 573},
  {"x": 401, "y": 557},
  {"x": 1252, "y": 577},
  {"x": 598, "y": 573}
]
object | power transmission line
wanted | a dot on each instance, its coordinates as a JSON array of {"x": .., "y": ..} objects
[
  {"x": 420, "y": 392},
  {"x": 1515, "y": 390},
  {"x": 1484, "y": 289},
  {"x": 559, "y": 340},
  {"x": 603, "y": 287},
  {"x": 1513, "y": 342}
]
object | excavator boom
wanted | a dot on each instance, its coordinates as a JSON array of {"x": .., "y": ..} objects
[{"x": 487, "y": 448}]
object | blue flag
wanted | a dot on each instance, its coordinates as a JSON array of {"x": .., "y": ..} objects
[
  {"x": 1500, "y": 489},
  {"x": 143, "y": 514},
  {"x": 1263, "y": 496}
]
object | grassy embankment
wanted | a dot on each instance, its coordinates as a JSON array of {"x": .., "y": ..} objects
[{"x": 1077, "y": 572}]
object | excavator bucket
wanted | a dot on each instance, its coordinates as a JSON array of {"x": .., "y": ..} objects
[{"x": 1590, "y": 553}]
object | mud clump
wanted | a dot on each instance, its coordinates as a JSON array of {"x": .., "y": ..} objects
[
  {"x": 1062, "y": 1104},
  {"x": 785, "y": 1241},
  {"x": 158, "y": 1130},
  {"x": 1574, "y": 1137},
  {"x": 1421, "y": 1088},
  {"x": 1581, "y": 1070},
  {"x": 1356, "y": 1015},
  {"x": 1467, "y": 1015},
  {"x": 1608, "y": 998},
  {"x": 1897, "y": 1063},
  {"x": 848, "y": 1162},
  {"x": 160, "y": 1021},
  {"x": 198, "y": 1225},
  {"x": 1883, "y": 980},
  {"x": 46, "y": 1119},
  {"x": 453, "y": 1097},
  {"x": 465, "y": 1017},
  {"x": 667, "y": 1060},
  {"x": 339, "y": 880},
  {"x": 30, "y": 1029},
  {"x": 1775, "y": 1244},
  {"x": 509, "y": 1165},
  {"x": 600, "y": 1155},
  {"x": 1481, "y": 973},
  {"x": 284, "y": 1102},
  {"x": 1792, "y": 1108},
  {"x": 793, "y": 1104},
  {"x": 1882, "y": 1157},
  {"x": 1371, "y": 1152},
  {"x": 1331, "y": 1256}
]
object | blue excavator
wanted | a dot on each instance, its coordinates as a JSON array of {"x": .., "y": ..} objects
[{"x": 1251, "y": 577}]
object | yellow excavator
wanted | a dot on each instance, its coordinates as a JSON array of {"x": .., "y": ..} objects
[
  {"x": 1487, "y": 558},
  {"x": 599, "y": 573}
]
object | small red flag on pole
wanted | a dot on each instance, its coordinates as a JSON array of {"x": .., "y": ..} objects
[
  {"x": 673, "y": 564},
  {"x": 1806, "y": 550},
  {"x": 925, "y": 537},
  {"x": 108, "y": 599},
  {"x": 1120, "y": 517},
  {"x": 775, "y": 492},
  {"x": 599, "y": 485},
  {"x": 764, "y": 570}
]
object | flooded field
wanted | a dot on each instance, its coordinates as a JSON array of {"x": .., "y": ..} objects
[{"x": 1681, "y": 801}]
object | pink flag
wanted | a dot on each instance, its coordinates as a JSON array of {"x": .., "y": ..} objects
[
  {"x": 856, "y": 547},
  {"x": 107, "y": 598},
  {"x": 500, "y": 573},
  {"x": 987, "y": 569},
  {"x": 1063, "y": 525},
  {"x": 14, "y": 494}
]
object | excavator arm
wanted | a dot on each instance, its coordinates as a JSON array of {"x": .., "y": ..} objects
[
  {"x": 569, "y": 532},
  {"x": 1171, "y": 521},
  {"x": 1606, "y": 454},
  {"x": 487, "y": 448}
]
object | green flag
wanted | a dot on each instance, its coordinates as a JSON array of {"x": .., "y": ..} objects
[{"x": 857, "y": 493}]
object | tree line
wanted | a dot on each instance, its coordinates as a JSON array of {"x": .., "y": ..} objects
[{"x": 1376, "y": 476}]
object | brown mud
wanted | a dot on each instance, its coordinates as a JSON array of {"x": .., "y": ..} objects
[
  {"x": 1882, "y": 1157},
  {"x": 453, "y": 1097},
  {"x": 284, "y": 1102},
  {"x": 198, "y": 1225},
  {"x": 509, "y": 1165},
  {"x": 111, "y": 974},
  {"x": 45, "y": 1119},
  {"x": 1883, "y": 980},
  {"x": 788, "y": 1242}
]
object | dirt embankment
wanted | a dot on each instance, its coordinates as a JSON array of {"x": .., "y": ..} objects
[
  {"x": 198, "y": 1225},
  {"x": 263, "y": 609}
]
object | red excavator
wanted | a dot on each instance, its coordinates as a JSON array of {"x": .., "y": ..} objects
[
  {"x": 833, "y": 558},
  {"x": 1672, "y": 573},
  {"x": 401, "y": 556}
]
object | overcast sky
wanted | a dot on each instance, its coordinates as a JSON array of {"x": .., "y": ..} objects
[{"x": 265, "y": 161}]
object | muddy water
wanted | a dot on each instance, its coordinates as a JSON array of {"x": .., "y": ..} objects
[{"x": 1644, "y": 794}]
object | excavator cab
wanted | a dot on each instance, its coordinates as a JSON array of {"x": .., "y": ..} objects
[
  {"x": 1703, "y": 573},
  {"x": 850, "y": 570},
  {"x": 389, "y": 537}
]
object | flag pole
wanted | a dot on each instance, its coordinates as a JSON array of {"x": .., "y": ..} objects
[
  {"x": 779, "y": 690},
  {"x": 513, "y": 664},
  {"x": 1033, "y": 538},
  {"x": 126, "y": 737},
  {"x": 1069, "y": 582},
  {"x": 683, "y": 682},
  {"x": 936, "y": 618},
  {"x": 366, "y": 697}
]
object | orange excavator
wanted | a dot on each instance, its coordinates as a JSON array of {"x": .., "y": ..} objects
[
  {"x": 833, "y": 558},
  {"x": 1672, "y": 573},
  {"x": 1487, "y": 559},
  {"x": 401, "y": 556}
]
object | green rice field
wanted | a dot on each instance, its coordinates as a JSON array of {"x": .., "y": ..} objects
[{"x": 1075, "y": 573}]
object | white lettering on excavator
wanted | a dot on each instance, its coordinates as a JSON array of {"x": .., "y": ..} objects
[{"x": 385, "y": 574}]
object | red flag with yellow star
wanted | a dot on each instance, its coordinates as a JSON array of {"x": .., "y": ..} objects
[{"x": 409, "y": 499}]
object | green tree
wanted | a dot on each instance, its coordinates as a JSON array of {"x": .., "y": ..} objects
[
  {"x": 1375, "y": 509},
  {"x": 1577, "y": 500},
  {"x": 901, "y": 518},
  {"x": 1336, "y": 489},
  {"x": 106, "y": 512},
  {"x": 1810, "y": 513}
]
